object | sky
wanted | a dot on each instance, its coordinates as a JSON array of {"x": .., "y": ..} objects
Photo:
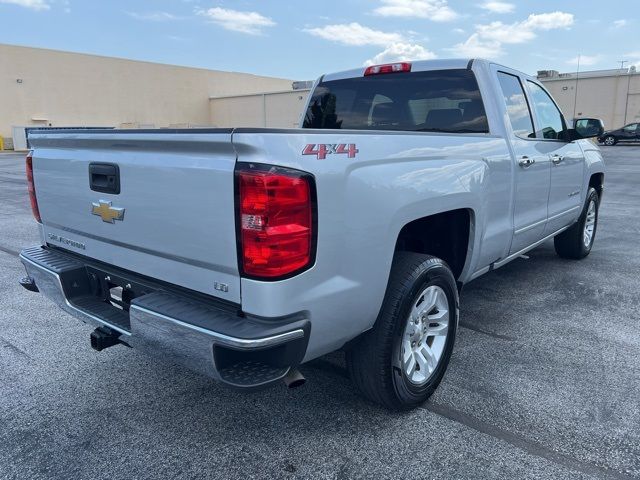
[{"x": 301, "y": 40}]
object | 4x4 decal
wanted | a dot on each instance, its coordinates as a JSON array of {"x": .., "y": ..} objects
[{"x": 321, "y": 150}]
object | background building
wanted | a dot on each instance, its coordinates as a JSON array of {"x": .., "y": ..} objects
[
  {"x": 612, "y": 95},
  {"x": 40, "y": 87},
  {"x": 272, "y": 109}
]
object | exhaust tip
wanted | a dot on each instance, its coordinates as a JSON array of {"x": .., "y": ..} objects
[
  {"x": 29, "y": 284},
  {"x": 294, "y": 379}
]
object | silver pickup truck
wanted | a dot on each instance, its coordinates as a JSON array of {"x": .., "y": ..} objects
[{"x": 244, "y": 253}]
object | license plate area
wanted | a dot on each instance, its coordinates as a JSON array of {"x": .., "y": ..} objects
[{"x": 114, "y": 289}]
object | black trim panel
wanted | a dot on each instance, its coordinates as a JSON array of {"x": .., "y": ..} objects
[{"x": 153, "y": 284}]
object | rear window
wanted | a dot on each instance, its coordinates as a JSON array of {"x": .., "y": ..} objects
[{"x": 433, "y": 101}]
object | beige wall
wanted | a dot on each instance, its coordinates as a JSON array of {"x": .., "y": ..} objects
[
  {"x": 70, "y": 89},
  {"x": 605, "y": 97},
  {"x": 275, "y": 110}
]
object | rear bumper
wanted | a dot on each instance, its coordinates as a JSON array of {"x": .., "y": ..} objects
[{"x": 207, "y": 336}]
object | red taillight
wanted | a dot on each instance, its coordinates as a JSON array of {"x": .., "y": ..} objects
[
  {"x": 32, "y": 189},
  {"x": 276, "y": 221},
  {"x": 388, "y": 68}
]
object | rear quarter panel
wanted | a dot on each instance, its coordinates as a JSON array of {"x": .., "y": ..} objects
[{"x": 363, "y": 203}]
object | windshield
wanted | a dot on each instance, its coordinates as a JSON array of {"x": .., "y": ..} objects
[{"x": 433, "y": 101}]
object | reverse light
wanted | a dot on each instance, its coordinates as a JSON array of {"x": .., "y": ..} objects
[
  {"x": 387, "y": 68},
  {"x": 276, "y": 221},
  {"x": 32, "y": 188}
]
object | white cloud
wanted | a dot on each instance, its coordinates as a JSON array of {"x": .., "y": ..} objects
[
  {"x": 237, "y": 21},
  {"x": 501, "y": 33},
  {"x": 32, "y": 4},
  {"x": 355, "y": 34},
  {"x": 488, "y": 39},
  {"x": 153, "y": 16},
  {"x": 548, "y": 21},
  {"x": 436, "y": 10},
  {"x": 620, "y": 23},
  {"x": 459, "y": 31},
  {"x": 476, "y": 46},
  {"x": 585, "y": 60},
  {"x": 498, "y": 7},
  {"x": 400, "y": 52}
]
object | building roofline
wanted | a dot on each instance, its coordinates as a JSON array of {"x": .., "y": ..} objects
[
  {"x": 133, "y": 60},
  {"x": 276, "y": 92},
  {"x": 557, "y": 76}
]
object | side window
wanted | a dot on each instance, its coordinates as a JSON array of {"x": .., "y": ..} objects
[
  {"x": 517, "y": 106},
  {"x": 549, "y": 117}
]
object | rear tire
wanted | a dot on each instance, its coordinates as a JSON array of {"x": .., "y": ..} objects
[
  {"x": 402, "y": 359},
  {"x": 610, "y": 140},
  {"x": 576, "y": 242}
]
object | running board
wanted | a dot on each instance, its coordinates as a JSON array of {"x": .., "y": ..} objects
[{"x": 513, "y": 256}]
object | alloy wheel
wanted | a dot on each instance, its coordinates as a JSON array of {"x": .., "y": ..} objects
[{"x": 425, "y": 334}]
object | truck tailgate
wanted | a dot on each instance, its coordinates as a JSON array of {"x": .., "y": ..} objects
[{"x": 176, "y": 194}]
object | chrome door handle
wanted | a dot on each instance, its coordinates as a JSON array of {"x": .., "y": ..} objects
[
  {"x": 526, "y": 161},
  {"x": 556, "y": 159}
]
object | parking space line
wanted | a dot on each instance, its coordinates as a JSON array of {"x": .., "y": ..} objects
[
  {"x": 524, "y": 444},
  {"x": 10, "y": 251},
  {"x": 513, "y": 439},
  {"x": 7, "y": 344}
]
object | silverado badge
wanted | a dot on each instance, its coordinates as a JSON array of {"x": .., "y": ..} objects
[{"x": 104, "y": 210}]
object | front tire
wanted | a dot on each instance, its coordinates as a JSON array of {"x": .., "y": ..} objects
[
  {"x": 576, "y": 242},
  {"x": 610, "y": 140},
  {"x": 400, "y": 362}
]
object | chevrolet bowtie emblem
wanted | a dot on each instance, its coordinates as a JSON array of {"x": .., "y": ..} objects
[{"x": 105, "y": 211}]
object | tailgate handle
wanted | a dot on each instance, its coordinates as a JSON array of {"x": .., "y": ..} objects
[{"x": 104, "y": 177}]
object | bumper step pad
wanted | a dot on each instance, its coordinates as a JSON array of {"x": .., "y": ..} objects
[{"x": 250, "y": 373}]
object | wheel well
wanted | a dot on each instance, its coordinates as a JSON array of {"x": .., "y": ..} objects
[
  {"x": 443, "y": 235},
  {"x": 597, "y": 181}
]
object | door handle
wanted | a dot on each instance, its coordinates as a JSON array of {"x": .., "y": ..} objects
[
  {"x": 526, "y": 161},
  {"x": 104, "y": 177},
  {"x": 556, "y": 159}
]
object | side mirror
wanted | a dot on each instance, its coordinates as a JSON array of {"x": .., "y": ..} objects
[{"x": 588, "y": 127}]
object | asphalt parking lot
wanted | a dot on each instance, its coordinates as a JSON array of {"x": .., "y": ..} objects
[{"x": 544, "y": 381}]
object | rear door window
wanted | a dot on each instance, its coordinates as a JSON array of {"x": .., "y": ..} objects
[
  {"x": 517, "y": 107},
  {"x": 432, "y": 101}
]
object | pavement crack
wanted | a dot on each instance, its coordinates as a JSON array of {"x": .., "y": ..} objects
[
  {"x": 468, "y": 326},
  {"x": 528, "y": 446}
]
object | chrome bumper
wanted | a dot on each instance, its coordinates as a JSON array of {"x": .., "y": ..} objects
[{"x": 177, "y": 328}]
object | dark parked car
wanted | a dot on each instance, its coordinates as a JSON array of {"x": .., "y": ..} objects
[{"x": 628, "y": 133}]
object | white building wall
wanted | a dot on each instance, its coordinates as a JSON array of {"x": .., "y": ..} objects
[
  {"x": 39, "y": 87},
  {"x": 614, "y": 98},
  {"x": 274, "y": 110}
]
